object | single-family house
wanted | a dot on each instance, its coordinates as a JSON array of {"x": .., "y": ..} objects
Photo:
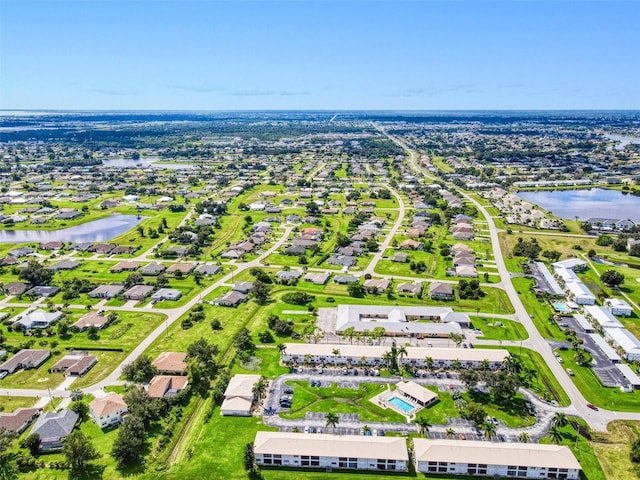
[
  {"x": 239, "y": 396},
  {"x": 171, "y": 363},
  {"x": 163, "y": 386},
  {"x": 108, "y": 411},
  {"x": 54, "y": 427}
]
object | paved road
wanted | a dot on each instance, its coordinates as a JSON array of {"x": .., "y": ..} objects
[
  {"x": 172, "y": 315},
  {"x": 351, "y": 424},
  {"x": 597, "y": 420},
  {"x": 394, "y": 229}
]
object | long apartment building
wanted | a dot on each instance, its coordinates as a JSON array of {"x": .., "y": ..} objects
[
  {"x": 489, "y": 459},
  {"x": 372, "y": 355},
  {"x": 284, "y": 449}
]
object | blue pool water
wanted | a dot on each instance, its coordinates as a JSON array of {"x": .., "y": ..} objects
[
  {"x": 401, "y": 404},
  {"x": 561, "y": 307}
]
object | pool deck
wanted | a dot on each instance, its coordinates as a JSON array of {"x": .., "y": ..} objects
[{"x": 382, "y": 400}]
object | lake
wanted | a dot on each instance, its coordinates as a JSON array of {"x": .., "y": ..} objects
[
  {"x": 95, "y": 231},
  {"x": 587, "y": 203}
]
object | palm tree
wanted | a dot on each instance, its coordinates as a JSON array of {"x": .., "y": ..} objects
[
  {"x": 489, "y": 430},
  {"x": 560, "y": 420},
  {"x": 336, "y": 354},
  {"x": 387, "y": 358},
  {"x": 332, "y": 420},
  {"x": 428, "y": 363},
  {"x": 513, "y": 364},
  {"x": 349, "y": 333},
  {"x": 456, "y": 365},
  {"x": 282, "y": 348},
  {"x": 366, "y": 429},
  {"x": 580, "y": 356},
  {"x": 401, "y": 353},
  {"x": 76, "y": 394},
  {"x": 523, "y": 437},
  {"x": 556, "y": 434},
  {"x": 423, "y": 426},
  {"x": 451, "y": 433},
  {"x": 259, "y": 389}
]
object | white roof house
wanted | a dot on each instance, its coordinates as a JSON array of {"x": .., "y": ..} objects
[
  {"x": 602, "y": 317},
  {"x": 581, "y": 294},
  {"x": 583, "y": 322},
  {"x": 567, "y": 275},
  {"x": 571, "y": 264},
  {"x": 324, "y": 353},
  {"x": 524, "y": 460},
  {"x": 331, "y": 451},
  {"x": 399, "y": 320},
  {"x": 605, "y": 347},
  {"x": 618, "y": 306},
  {"x": 238, "y": 397},
  {"x": 38, "y": 319},
  {"x": 417, "y": 392},
  {"x": 629, "y": 374},
  {"x": 625, "y": 340}
]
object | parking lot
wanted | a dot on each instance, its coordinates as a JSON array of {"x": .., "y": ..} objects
[{"x": 608, "y": 374}]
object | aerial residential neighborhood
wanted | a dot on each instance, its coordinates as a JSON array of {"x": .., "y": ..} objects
[{"x": 274, "y": 308}]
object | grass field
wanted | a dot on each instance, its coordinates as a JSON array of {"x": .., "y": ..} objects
[
  {"x": 509, "y": 330},
  {"x": 340, "y": 400},
  {"x": 612, "y": 449},
  {"x": 9, "y": 404},
  {"x": 589, "y": 385}
]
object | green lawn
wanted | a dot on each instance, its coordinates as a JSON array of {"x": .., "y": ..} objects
[
  {"x": 509, "y": 330},
  {"x": 9, "y": 404},
  {"x": 125, "y": 333},
  {"x": 539, "y": 309},
  {"x": 582, "y": 449},
  {"x": 589, "y": 385},
  {"x": 340, "y": 400}
]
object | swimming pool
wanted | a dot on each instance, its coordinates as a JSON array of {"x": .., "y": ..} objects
[
  {"x": 401, "y": 404},
  {"x": 560, "y": 307}
]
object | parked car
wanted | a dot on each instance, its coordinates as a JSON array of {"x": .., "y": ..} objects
[
  {"x": 592, "y": 406},
  {"x": 570, "y": 372},
  {"x": 462, "y": 436}
]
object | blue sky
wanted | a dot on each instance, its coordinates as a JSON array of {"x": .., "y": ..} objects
[{"x": 392, "y": 54}]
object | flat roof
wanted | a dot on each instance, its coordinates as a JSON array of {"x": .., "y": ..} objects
[
  {"x": 625, "y": 339},
  {"x": 324, "y": 445},
  {"x": 491, "y": 453},
  {"x": 610, "y": 353},
  {"x": 603, "y": 316},
  {"x": 629, "y": 374},
  {"x": 413, "y": 353}
]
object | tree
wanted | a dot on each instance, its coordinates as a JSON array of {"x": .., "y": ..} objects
[
  {"x": 523, "y": 437},
  {"x": 79, "y": 451},
  {"x": 248, "y": 459},
  {"x": 423, "y": 426},
  {"x": 162, "y": 281},
  {"x": 356, "y": 290},
  {"x": 139, "y": 370},
  {"x": 611, "y": 278},
  {"x": 551, "y": 255},
  {"x": 243, "y": 342},
  {"x": 260, "y": 292},
  {"x": 560, "y": 420},
  {"x": 128, "y": 447},
  {"x": 132, "y": 279},
  {"x": 141, "y": 405},
  {"x": 456, "y": 338},
  {"x": 312, "y": 209},
  {"x": 332, "y": 420},
  {"x": 32, "y": 443},
  {"x": 634, "y": 453},
  {"x": 8, "y": 470},
  {"x": 349, "y": 333},
  {"x": 556, "y": 434},
  {"x": 93, "y": 333},
  {"x": 76, "y": 394},
  {"x": 489, "y": 430},
  {"x": 450, "y": 433},
  {"x": 204, "y": 353},
  {"x": 81, "y": 408},
  {"x": 36, "y": 273},
  {"x": 475, "y": 412}
]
